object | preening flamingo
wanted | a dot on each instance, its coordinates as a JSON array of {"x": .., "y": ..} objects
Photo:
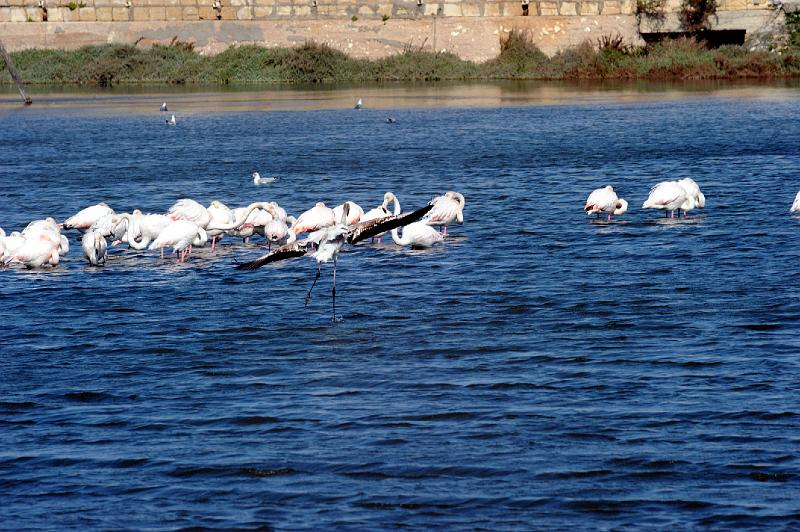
[
  {"x": 605, "y": 201},
  {"x": 667, "y": 195},
  {"x": 84, "y": 219},
  {"x": 417, "y": 235},
  {"x": 95, "y": 248},
  {"x": 447, "y": 209}
]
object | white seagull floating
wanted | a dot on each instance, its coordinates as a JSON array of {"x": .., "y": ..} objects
[
  {"x": 359, "y": 105},
  {"x": 171, "y": 121},
  {"x": 258, "y": 180},
  {"x": 164, "y": 107}
]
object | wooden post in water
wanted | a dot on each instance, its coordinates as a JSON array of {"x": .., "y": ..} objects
[{"x": 14, "y": 74}]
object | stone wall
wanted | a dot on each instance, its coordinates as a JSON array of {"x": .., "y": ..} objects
[{"x": 470, "y": 28}]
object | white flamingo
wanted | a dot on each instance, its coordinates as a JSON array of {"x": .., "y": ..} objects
[
  {"x": 355, "y": 212},
  {"x": 694, "y": 197},
  {"x": 37, "y": 251},
  {"x": 796, "y": 203},
  {"x": 181, "y": 235},
  {"x": 313, "y": 219},
  {"x": 417, "y": 235},
  {"x": 84, "y": 219},
  {"x": 667, "y": 195},
  {"x": 382, "y": 211},
  {"x": 95, "y": 248},
  {"x": 447, "y": 209},
  {"x": 605, "y": 201}
]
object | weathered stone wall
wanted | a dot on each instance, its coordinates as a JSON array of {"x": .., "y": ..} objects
[{"x": 469, "y": 28}]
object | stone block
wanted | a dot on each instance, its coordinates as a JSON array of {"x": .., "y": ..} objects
[
  {"x": 205, "y": 12},
  {"x": 286, "y": 11},
  {"x": 302, "y": 11},
  {"x": 228, "y": 13},
  {"x": 4, "y": 3},
  {"x": 14, "y": 3},
  {"x": 17, "y": 14},
  {"x": 5, "y": 15},
  {"x": 190, "y": 13},
  {"x": 365, "y": 11},
  {"x": 611, "y": 7},
  {"x": 187, "y": 3},
  {"x": 627, "y": 7},
  {"x": 70, "y": 15},
  {"x": 568, "y": 9},
  {"x": 140, "y": 13},
  {"x": 452, "y": 10},
  {"x": 120, "y": 14},
  {"x": 736, "y": 5},
  {"x": 158, "y": 13},
  {"x": 261, "y": 12},
  {"x": 54, "y": 14},
  {"x": 514, "y": 9},
  {"x": 173, "y": 13},
  {"x": 87, "y": 14},
  {"x": 431, "y": 8},
  {"x": 174, "y": 3},
  {"x": 470, "y": 9},
  {"x": 244, "y": 13},
  {"x": 590, "y": 8},
  {"x": 491, "y": 9},
  {"x": 548, "y": 8},
  {"x": 103, "y": 14},
  {"x": 33, "y": 14}
]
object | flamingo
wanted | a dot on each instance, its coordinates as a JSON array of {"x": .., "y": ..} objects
[
  {"x": 315, "y": 218},
  {"x": 220, "y": 215},
  {"x": 84, "y": 219},
  {"x": 181, "y": 235},
  {"x": 147, "y": 229},
  {"x": 447, "y": 208},
  {"x": 694, "y": 197},
  {"x": 667, "y": 195},
  {"x": 355, "y": 213},
  {"x": 95, "y": 248},
  {"x": 11, "y": 243},
  {"x": 417, "y": 235},
  {"x": 382, "y": 211},
  {"x": 189, "y": 209},
  {"x": 329, "y": 241},
  {"x": 49, "y": 226},
  {"x": 796, "y": 203},
  {"x": 277, "y": 232},
  {"x": 38, "y": 250},
  {"x": 605, "y": 201}
]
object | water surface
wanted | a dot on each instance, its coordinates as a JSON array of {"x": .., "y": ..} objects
[{"x": 538, "y": 369}]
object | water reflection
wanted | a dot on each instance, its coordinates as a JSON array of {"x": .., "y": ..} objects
[{"x": 203, "y": 99}]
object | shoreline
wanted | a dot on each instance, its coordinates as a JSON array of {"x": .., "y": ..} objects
[{"x": 180, "y": 65}]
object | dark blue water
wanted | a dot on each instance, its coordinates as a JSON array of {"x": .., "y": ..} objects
[{"x": 538, "y": 370}]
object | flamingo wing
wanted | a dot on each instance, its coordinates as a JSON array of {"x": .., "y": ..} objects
[
  {"x": 289, "y": 251},
  {"x": 365, "y": 230}
]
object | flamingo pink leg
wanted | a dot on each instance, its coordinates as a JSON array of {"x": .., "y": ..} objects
[
  {"x": 609, "y": 217},
  {"x": 213, "y": 242}
]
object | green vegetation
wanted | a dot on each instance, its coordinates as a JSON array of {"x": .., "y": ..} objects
[{"x": 609, "y": 58}]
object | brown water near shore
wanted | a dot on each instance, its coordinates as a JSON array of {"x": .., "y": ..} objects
[{"x": 204, "y": 99}]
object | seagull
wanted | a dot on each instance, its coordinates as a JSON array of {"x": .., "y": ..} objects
[
  {"x": 359, "y": 105},
  {"x": 171, "y": 121},
  {"x": 326, "y": 243},
  {"x": 390, "y": 120},
  {"x": 164, "y": 107},
  {"x": 258, "y": 180}
]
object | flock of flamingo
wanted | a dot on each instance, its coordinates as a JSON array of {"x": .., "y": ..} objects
[
  {"x": 188, "y": 224},
  {"x": 669, "y": 196}
]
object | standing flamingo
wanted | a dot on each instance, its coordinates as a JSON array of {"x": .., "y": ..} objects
[
  {"x": 447, "y": 208},
  {"x": 181, "y": 235},
  {"x": 84, "y": 219},
  {"x": 605, "y": 201},
  {"x": 95, "y": 248},
  {"x": 329, "y": 241},
  {"x": 667, "y": 195}
]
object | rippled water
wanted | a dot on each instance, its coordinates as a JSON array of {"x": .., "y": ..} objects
[{"x": 538, "y": 370}]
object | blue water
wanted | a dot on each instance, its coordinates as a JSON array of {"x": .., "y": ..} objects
[{"x": 537, "y": 370}]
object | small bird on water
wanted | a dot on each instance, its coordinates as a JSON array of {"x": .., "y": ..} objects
[
  {"x": 359, "y": 105},
  {"x": 171, "y": 121},
  {"x": 164, "y": 107},
  {"x": 258, "y": 180},
  {"x": 390, "y": 120}
]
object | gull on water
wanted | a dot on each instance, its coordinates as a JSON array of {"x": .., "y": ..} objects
[
  {"x": 164, "y": 107},
  {"x": 258, "y": 180},
  {"x": 171, "y": 121}
]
